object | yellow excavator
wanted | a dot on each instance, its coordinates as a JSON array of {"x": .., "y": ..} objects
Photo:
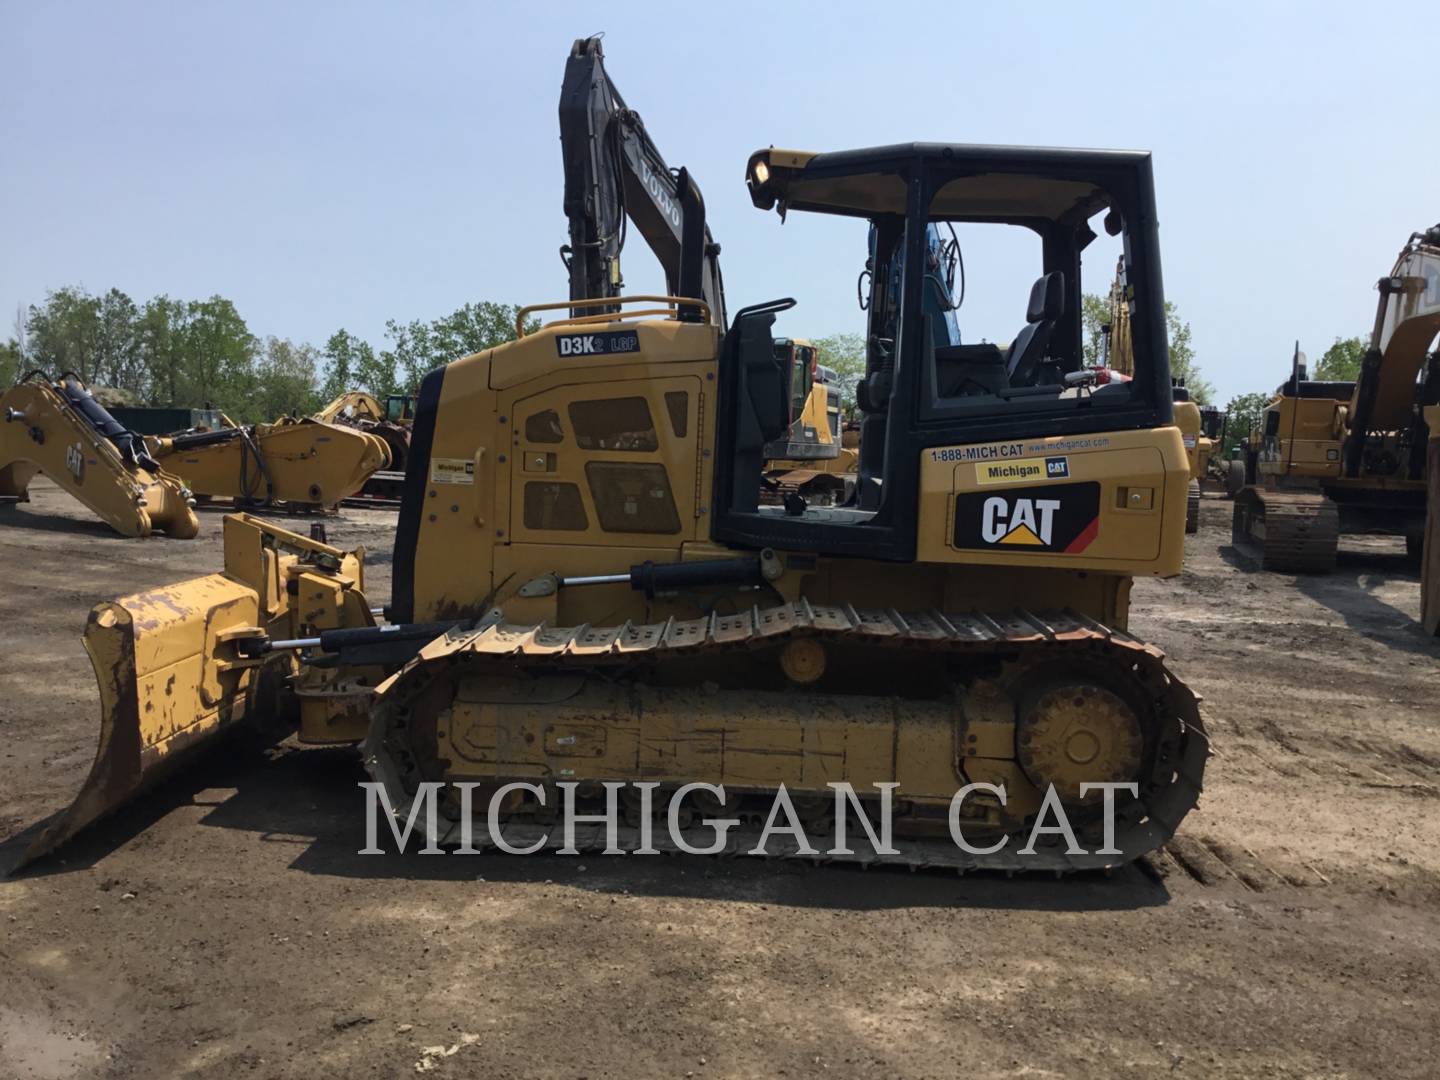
[
  {"x": 301, "y": 464},
  {"x": 587, "y": 587},
  {"x": 806, "y": 461},
  {"x": 56, "y": 427},
  {"x": 1342, "y": 457}
]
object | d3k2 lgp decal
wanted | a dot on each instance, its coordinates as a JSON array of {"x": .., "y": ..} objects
[
  {"x": 1052, "y": 517},
  {"x": 613, "y": 341}
]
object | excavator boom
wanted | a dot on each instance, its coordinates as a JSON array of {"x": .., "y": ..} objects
[
  {"x": 56, "y": 427},
  {"x": 615, "y": 176}
]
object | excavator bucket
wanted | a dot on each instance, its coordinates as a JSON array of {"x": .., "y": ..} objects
[{"x": 171, "y": 675}]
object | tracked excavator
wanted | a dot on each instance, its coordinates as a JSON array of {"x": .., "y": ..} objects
[
  {"x": 1341, "y": 457},
  {"x": 588, "y": 588},
  {"x": 296, "y": 464},
  {"x": 56, "y": 427},
  {"x": 805, "y": 464}
]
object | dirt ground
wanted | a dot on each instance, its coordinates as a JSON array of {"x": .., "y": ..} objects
[{"x": 225, "y": 925}]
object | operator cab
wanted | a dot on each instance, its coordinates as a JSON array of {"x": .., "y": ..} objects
[{"x": 919, "y": 392}]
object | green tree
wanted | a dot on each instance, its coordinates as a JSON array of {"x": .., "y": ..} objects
[
  {"x": 11, "y": 362},
  {"x": 421, "y": 347},
  {"x": 1341, "y": 362},
  {"x": 843, "y": 354},
  {"x": 117, "y": 360},
  {"x": 1183, "y": 367},
  {"x": 1095, "y": 315},
  {"x": 341, "y": 361},
  {"x": 64, "y": 332},
  {"x": 96, "y": 337},
  {"x": 161, "y": 346},
  {"x": 285, "y": 380},
  {"x": 1242, "y": 416},
  {"x": 217, "y": 357}
]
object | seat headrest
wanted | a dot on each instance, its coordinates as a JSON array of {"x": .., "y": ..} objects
[{"x": 1047, "y": 298}]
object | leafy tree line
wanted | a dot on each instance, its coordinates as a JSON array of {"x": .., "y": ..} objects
[{"x": 190, "y": 353}]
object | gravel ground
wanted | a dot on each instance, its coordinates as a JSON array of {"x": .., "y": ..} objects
[{"x": 225, "y": 926}]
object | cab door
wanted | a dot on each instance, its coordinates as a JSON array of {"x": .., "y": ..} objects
[{"x": 615, "y": 461}]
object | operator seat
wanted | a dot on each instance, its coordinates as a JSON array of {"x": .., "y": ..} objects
[{"x": 1047, "y": 304}]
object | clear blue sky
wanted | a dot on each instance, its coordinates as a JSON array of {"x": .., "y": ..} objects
[{"x": 337, "y": 165}]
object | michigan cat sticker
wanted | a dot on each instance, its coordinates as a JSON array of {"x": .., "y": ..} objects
[
  {"x": 1023, "y": 472},
  {"x": 452, "y": 470},
  {"x": 1051, "y": 517}
]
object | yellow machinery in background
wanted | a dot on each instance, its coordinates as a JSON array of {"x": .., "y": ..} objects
[
  {"x": 1338, "y": 457},
  {"x": 390, "y": 422},
  {"x": 301, "y": 464},
  {"x": 1198, "y": 449},
  {"x": 352, "y": 407},
  {"x": 1118, "y": 363},
  {"x": 588, "y": 588},
  {"x": 807, "y": 461},
  {"x": 56, "y": 427}
]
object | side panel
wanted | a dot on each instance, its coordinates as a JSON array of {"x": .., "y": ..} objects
[
  {"x": 466, "y": 473},
  {"x": 1111, "y": 502}
]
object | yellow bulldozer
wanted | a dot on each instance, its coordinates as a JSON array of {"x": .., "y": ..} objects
[
  {"x": 1342, "y": 457},
  {"x": 589, "y": 593},
  {"x": 55, "y": 426}
]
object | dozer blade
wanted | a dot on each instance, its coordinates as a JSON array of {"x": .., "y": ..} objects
[{"x": 169, "y": 683}]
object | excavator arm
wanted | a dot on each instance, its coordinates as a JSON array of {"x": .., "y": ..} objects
[
  {"x": 55, "y": 426},
  {"x": 1392, "y": 389},
  {"x": 615, "y": 176}
]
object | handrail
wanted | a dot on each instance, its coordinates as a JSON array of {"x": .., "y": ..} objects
[{"x": 674, "y": 302}]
